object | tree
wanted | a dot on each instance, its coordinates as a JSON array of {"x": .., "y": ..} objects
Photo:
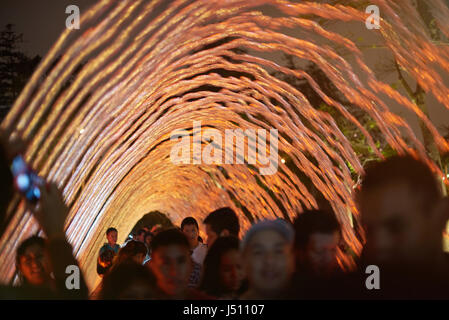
[
  {"x": 15, "y": 68},
  {"x": 416, "y": 95}
]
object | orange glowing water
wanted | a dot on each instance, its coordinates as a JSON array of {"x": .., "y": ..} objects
[{"x": 133, "y": 65}]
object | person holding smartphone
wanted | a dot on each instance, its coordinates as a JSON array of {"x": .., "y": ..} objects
[{"x": 48, "y": 207}]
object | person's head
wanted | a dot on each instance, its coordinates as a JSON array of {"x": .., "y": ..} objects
[
  {"x": 111, "y": 235},
  {"x": 190, "y": 228},
  {"x": 133, "y": 250},
  {"x": 221, "y": 222},
  {"x": 129, "y": 280},
  {"x": 268, "y": 258},
  {"x": 402, "y": 210},
  {"x": 105, "y": 261},
  {"x": 140, "y": 235},
  {"x": 147, "y": 239},
  {"x": 171, "y": 262},
  {"x": 32, "y": 262},
  {"x": 223, "y": 271},
  {"x": 6, "y": 186},
  {"x": 317, "y": 238},
  {"x": 156, "y": 229}
]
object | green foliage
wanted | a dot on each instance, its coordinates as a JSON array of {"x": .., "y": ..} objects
[{"x": 354, "y": 135}]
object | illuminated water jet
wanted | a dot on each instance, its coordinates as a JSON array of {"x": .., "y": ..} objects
[{"x": 101, "y": 107}]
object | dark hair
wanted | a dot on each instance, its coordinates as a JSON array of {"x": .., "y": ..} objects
[
  {"x": 110, "y": 230},
  {"x": 211, "y": 281},
  {"x": 31, "y": 241},
  {"x": 6, "y": 186},
  {"x": 313, "y": 221},
  {"x": 189, "y": 221},
  {"x": 149, "y": 247},
  {"x": 28, "y": 243},
  {"x": 223, "y": 219},
  {"x": 169, "y": 237},
  {"x": 131, "y": 249},
  {"x": 415, "y": 173},
  {"x": 140, "y": 231},
  {"x": 119, "y": 279},
  {"x": 107, "y": 257}
]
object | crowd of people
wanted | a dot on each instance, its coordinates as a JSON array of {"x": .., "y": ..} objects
[{"x": 403, "y": 213}]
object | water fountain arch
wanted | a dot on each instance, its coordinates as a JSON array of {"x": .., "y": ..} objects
[{"x": 101, "y": 107}]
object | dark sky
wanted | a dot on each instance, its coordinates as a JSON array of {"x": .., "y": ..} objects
[{"x": 40, "y": 21}]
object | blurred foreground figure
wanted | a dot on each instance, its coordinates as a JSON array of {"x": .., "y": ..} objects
[
  {"x": 33, "y": 265},
  {"x": 268, "y": 260},
  {"x": 404, "y": 215},
  {"x": 129, "y": 280},
  {"x": 171, "y": 263},
  {"x": 50, "y": 214},
  {"x": 133, "y": 250},
  {"x": 223, "y": 275},
  {"x": 317, "y": 238}
]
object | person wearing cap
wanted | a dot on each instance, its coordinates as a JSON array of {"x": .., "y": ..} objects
[{"x": 268, "y": 259}]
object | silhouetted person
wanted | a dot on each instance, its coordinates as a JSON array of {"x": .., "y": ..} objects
[
  {"x": 129, "y": 280},
  {"x": 221, "y": 222},
  {"x": 133, "y": 251},
  {"x": 268, "y": 260},
  {"x": 223, "y": 275},
  {"x": 105, "y": 261},
  {"x": 404, "y": 215},
  {"x": 317, "y": 248}
]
